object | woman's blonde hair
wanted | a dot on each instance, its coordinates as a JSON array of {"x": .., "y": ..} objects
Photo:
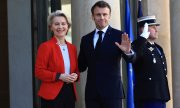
[{"x": 56, "y": 14}]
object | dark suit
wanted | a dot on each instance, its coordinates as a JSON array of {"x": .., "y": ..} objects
[
  {"x": 150, "y": 72},
  {"x": 103, "y": 75}
]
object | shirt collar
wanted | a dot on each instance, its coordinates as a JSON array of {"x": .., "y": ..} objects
[
  {"x": 152, "y": 43},
  {"x": 104, "y": 29}
]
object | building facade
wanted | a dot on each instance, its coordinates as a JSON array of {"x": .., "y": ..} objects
[{"x": 23, "y": 26}]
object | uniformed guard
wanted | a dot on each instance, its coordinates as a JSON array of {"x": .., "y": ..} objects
[{"x": 151, "y": 86}]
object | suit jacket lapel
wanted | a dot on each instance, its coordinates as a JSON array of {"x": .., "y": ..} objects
[
  {"x": 107, "y": 35},
  {"x": 91, "y": 42}
]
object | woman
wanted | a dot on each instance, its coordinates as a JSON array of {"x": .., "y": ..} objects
[{"x": 56, "y": 66}]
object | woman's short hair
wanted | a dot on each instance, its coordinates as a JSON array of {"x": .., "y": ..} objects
[{"x": 56, "y": 14}]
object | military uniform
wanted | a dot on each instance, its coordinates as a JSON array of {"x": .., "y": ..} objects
[{"x": 150, "y": 72}]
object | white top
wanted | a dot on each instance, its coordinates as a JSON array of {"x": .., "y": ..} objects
[
  {"x": 66, "y": 59},
  {"x": 96, "y": 35}
]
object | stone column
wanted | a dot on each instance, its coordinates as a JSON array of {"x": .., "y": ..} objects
[
  {"x": 175, "y": 40},
  {"x": 161, "y": 9},
  {"x": 20, "y": 53},
  {"x": 83, "y": 24}
]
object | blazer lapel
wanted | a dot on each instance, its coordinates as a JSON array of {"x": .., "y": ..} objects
[{"x": 59, "y": 54}]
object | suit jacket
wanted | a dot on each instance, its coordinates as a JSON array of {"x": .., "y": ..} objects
[
  {"x": 150, "y": 72},
  {"x": 49, "y": 62},
  {"x": 103, "y": 74}
]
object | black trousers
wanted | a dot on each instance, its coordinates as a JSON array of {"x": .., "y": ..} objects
[
  {"x": 150, "y": 104},
  {"x": 65, "y": 99},
  {"x": 104, "y": 103}
]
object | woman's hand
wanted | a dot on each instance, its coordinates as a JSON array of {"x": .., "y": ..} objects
[{"x": 69, "y": 78}]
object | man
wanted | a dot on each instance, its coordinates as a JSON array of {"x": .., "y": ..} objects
[
  {"x": 151, "y": 86},
  {"x": 100, "y": 52}
]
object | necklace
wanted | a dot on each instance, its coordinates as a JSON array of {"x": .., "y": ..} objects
[{"x": 63, "y": 47}]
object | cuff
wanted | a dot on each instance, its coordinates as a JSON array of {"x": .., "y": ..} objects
[
  {"x": 57, "y": 76},
  {"x": 131, "y": 53}
]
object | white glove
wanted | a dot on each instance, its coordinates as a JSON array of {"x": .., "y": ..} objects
[{"x": 145, "y": 32}]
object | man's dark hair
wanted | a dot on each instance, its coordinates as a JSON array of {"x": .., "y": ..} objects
[{"x": 101, "y": 4}]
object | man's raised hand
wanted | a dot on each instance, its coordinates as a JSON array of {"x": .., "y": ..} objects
[{"x": 125, "y": 45}]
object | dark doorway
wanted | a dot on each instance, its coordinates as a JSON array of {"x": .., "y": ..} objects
[{"x": 4, "y": 77}]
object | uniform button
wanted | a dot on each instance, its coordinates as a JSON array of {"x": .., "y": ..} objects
[
  {"x": 165, "y": 69},
  {"x": 163, "y": 62},
  {"x": 149, "y": 78},
  {"x": 161, "y": 56},
  {"x": 152, "y": 54}
]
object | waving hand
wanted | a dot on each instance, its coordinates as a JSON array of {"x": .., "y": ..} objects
[{"x": 125, "y": 45}]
